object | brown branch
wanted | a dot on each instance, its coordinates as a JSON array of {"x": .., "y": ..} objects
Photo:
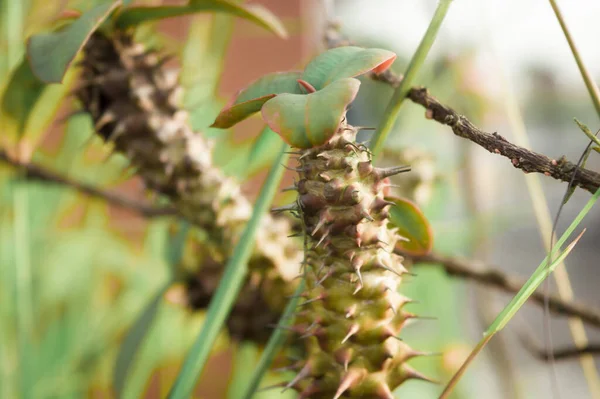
[
  {"x": 521, "y": 158},
  {"x": 33, "y": 171},
  {"x": 566, "y": 353},
  {"x": 476, "y": 271}
]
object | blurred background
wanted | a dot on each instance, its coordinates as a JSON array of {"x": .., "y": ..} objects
[{"x": 76, "y": 273}]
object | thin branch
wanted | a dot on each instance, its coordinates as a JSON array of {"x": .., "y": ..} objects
[
  {"x": 476, "y": 271},
  {"x": 521, "y": 158},
  {"x": 565, "y": 353},
  {"x": 33, "y": 171}
]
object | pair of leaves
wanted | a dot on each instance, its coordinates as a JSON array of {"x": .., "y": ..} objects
[
  {"x": 50, "y": 54},
  {"x": 306, "y": 120}
]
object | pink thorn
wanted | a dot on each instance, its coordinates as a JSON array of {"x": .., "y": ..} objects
[
  {"x": 350, "y": 379},
  {"x": 353, "y": 330},
  {"x": 307, "y": 86}
]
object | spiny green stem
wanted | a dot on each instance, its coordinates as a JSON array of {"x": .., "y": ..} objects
[
  {"x": 229, "y": 288},
  {"x": 393, "y": 108},
  {"x": 585, "y": 73}
]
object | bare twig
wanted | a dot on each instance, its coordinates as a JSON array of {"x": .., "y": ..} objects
[
  {"x": 565, "y": 353},
  {"x": 33, "y": 171},
  {"x": 568, "y": 352},
  {"x": 521, "y": 158},
  {"x": 473, "y": 270}
]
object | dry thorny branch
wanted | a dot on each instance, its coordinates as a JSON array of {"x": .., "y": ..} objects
[{"x": 521, "y": 158}]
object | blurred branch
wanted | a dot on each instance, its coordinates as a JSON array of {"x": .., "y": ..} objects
[
  {"x": 482, "y": 274},
  {"x": 521, "y": 158},
  {"x": 569, "y": 352},
  {"x": 36, "y": 172}
]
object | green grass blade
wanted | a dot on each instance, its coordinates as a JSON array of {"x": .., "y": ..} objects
[
  {"x": 231, "y": 283},
  {"x": 585, "y": 73},
  {"x": 507, "y": 314},
  {"x": 529, "y": 288},
  {"x": 133, "y": 341},
  {"x": 137, "y": 333},
  {"x": 275, "y": 342},
  {"x": 391, "y": 112}
]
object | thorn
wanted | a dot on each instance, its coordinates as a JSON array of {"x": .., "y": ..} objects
[
  {"x": 325, "y": 277},
  {"x": 382, "y": 173},
  {"x": 317, "y": 298},
  {"x": 325, "y": 177},
  {"x": 295, "y": 235},
  {"x": 322, "y": 239},
  {"x": 305, "y": 372},
  {"x": 350, "y": 379},
  {"x": 104, "y": 120},
  {"x": 353, "y": 330},
  {"x": 393, "y": 309},
  {"x": 268, "y": 387},
  {"x": 412, "y": 374},
  {"x": 365, "y": 214},
  {"x": 294, "y": 169},
  {"x": 303, "y": 295},
  {"x": 290, "y": 207},
  {"x": 384, "y": 392},
  {"x": 365, "y": 128},
  {"x": 321, "y": 223},
  {"x": 424, "y": 317},
  {"x": 308, "y": 332},
  {"x": 389, "y": 269},
  {"x": 294, "y": 366},
  {"x": 360, "y": 281},
  {"x": 351, "y": 310},
  {"x": 278, "y": 326}
]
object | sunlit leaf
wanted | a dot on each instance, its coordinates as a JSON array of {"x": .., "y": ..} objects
[
  {"x": 255, "y": 13},
  {"x": 251, "y": 99},
  {"x": 412, "y": 225},
  {"x": 51, "y": 54},
  {"x": 308, "y": 120},
  {"x": 346, "y": 62}
]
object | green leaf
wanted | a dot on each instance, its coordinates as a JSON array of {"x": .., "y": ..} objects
[
  {"x": 346, "y": 62},
  {"x": 137, "y": 333},
  {"x": 308, "y": 120},
  {"x": 21, "y": 94},
  {"x": 262, "y": 152},
  {"x": 411, "y": 224},
  {"x": 229, "y": 288},
  {"x": 254, "y": 13},
  {"x": 51, "y": 54},
  {"x": 133, "y": 340},
  {"x": 251, "y": 99}
]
